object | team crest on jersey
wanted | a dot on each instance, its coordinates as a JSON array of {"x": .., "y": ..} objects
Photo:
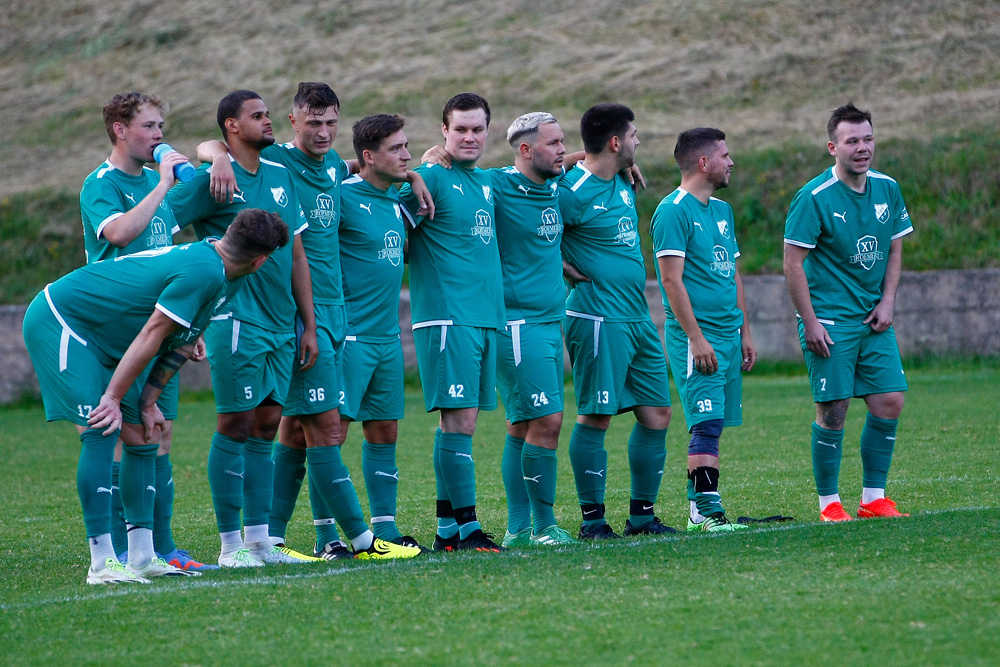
[
  {"x": 882, "y": 213},
  {"x": 158, "y": 235},
  {"x": 722, "y": 262},
  {"x": 399, "y": 214},
  {"x": 393, "y": 250},
  {"x": 868, "y": 252},
  {"x": 488, "y": 193},
  {"x": 626, "y": 197},
  {"x": 550, "y": 228},
  {"x": 484, "y": 226},
  {"x": 723, "y": 228},
  {"x": 332, "y": 173},
  {"x": 325, "y": 211},
  {"x": 279, "y": 196},
  {"x": 626, "y": 232}
]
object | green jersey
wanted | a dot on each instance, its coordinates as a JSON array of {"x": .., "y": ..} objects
[
  {"x": 109, "y": 193},
  {"x": 317, "y": 184},
  {"x": 454, "y": 262},
  {"x": 106, "y": 304},
  {"x": 703, "y": 234},
  {"x": 371, "y": 250},
  {"x": 848, "y": 235},
  {"x": 601, "y": 239},
  {"x": 529, "y": 231},
  {"x": 266, "y": 301}
]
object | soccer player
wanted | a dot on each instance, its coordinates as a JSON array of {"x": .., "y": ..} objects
[
  {"x": 92, "y": 333},
  {"x": 843, "y": 256},
  {"x": 252, "y": 345},
  {"x": 310, "y": 424},
  {"x": 457, "y": 307},
  {"x": 618, "y": 362},
  {"x": 123, "y": 208},
  {"x": 372, "y": 231},
  {"x": 707, "y": 332}
]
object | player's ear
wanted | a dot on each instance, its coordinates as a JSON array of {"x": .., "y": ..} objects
[{"x": 259, "y": 261}]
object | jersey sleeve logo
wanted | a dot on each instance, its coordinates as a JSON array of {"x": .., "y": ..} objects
[
  {"x": 484, "y": 226},
  {"x": 279, "y": 196},
  {"x": 868, "y": 252},
  {"x": 882, "y": 213}
]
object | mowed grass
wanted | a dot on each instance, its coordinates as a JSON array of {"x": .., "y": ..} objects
[{"x": 915, "y": 591}]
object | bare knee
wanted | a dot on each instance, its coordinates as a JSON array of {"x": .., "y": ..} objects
[
  {"x": 461, "y": 420},
  {"x": 380, "y": 432},
  {"x": 832, "y": 415},
  {"x": 653, "y": 416},
  {"x": 886, "y": 406},
  {"x": 544, "y": 431}
]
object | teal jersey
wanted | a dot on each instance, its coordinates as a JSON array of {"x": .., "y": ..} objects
[
  {"x": 704, "y": 235},
  {"x": 317, "y": 184},
  {"x": 529, "y": 231},
  {"x": 601, "y": 239},
  {"x": 106, "y": 304},
  {"x": 454, "y": 262},
  {"x": 371, "y": 249},
  {"x": 266, "y": 301},
  {"x": 848, "y": 236},
  {"x": 109, "y": 193}
]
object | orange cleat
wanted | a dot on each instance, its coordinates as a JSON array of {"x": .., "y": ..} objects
[
  {"x": 835, "y": 512},
  {"x": 883, "y": 507}
]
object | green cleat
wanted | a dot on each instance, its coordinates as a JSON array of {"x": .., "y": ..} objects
[
  {"x": 552, "y": 536},
  {"x": 521, "y": 538},
  {"x": 716, "y": 523}
]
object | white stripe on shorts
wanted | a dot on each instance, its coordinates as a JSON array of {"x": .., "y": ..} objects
[
  {"x": 690, "y": 364},
  {"x": 515, "y": 337},
  {"x": 597, "y": 326},
  {"x": 63, "y": 350},
  {"x": 236, "y": 335}
]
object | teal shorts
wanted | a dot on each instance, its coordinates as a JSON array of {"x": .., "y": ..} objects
[
  {"x": 457, "y": 366},
  {"x": 530, "y": 374},
  {"x": 708, "y": 396},
  {"x": 616, "y": 365},
  {"x": 373, "y": 381},
  {"x": 861, "y": 362},
  {"x": 249, "y": 364},
  {"x": 71, "y": 378},
  {"x": 318, "y": 389}
]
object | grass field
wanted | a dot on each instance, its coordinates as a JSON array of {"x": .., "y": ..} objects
[{"x": 916, "y": 591}]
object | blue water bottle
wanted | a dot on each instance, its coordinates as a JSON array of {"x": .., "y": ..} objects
[{"x": 183, "y": 172}]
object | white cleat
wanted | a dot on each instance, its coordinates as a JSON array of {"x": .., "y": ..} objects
[
  {"x": 239, "y": 558},
  {"x": 159, "y": 568},
  {"x": 269, "y": 554},
  {"x": 113, "y": 572}
]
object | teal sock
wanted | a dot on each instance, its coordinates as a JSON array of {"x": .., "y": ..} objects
[
  {"x": 225, "y": 479},
  {"x": 827, "y": 449},
  {"x": 323, "y": 522},
  {"x": 468, "y": 528},
  {"x": 458, "y": 469},
  {"x": 258, "y": 481},
  {"x": 163, "y": 506},
  {"x": 538, "y": 468},
  {"x": 441, "y": 487},
  {"x": 137, "y": 481},
  {"x": 690, "y": 488},
  {"x": 878, "y": 438},
  {"x": 119, "y": 539},
  {"x": 333, "y": 481},
  {"x": 518, "y": 503},
  {"x": 447, "y": 527},
  {"x": 647, "y": 450},
  {"x": 289, "y": 471},
  {"x": 590, "y": 463},
  {"x": 378, "y": 465},
  {"x": 93, "y": 480}
]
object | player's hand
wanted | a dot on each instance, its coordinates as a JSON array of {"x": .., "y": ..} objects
[
  {"x": 308, "y": 350},
  {"x": 222, "y": 180},
  {"x": 167, "y": 164},
  {"x": 422, "y": 194},
  {"x": 573, "y": 274},
  {"x": 704, "y": 357},
  {"x": 153, "y": 421},
  {"x": 818, "y": 339},
  {"x": 635, "y": 177},
  {"x": 199, "y": 352},
  {"x": 108, "y": 413},
  {"x": 881, "y": 317},
  {"x": 436, "y": 155},
  {"x": 749, "y": 353}
]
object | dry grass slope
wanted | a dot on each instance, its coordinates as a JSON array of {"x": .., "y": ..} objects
[{"x": 767, "y": 72}]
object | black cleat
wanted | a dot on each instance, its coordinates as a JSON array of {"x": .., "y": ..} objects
[
  {"x": 479, "y": 541},
  {"x": 600, "y": 531},
  {"x": 654, "y": 527},
  {"x": 408, "y": 541},
  {"x": 334, "y": 551},
  {"x": 445, "y": 543}
]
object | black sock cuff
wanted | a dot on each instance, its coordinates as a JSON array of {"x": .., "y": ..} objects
[
  {"x": 706, "y": 479},
  {"x": 640, "y": 507},
  {"x": 444, "y": 510},
  {"x": 464, "y": 515},
  {"x": 592, "y": 512}
]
